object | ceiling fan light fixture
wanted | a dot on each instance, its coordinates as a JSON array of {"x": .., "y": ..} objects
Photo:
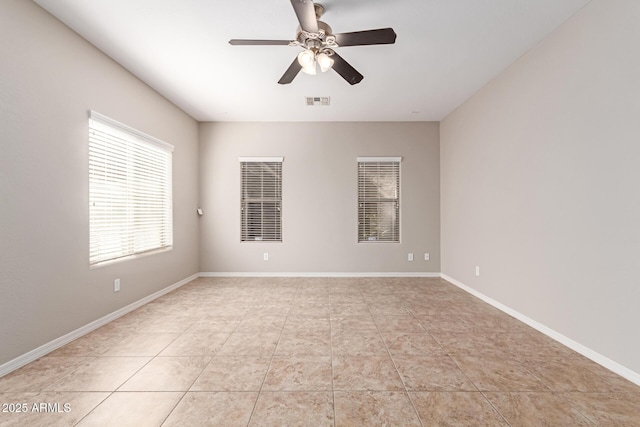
[
  {"x": 325, "y": 62},
  {"x": 307, "y": 60},
  {"x": 310, "y": 69},
  {"x": 306, "y": 57}
]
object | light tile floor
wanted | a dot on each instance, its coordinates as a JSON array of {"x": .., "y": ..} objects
[{"x": 317, "y": 352}]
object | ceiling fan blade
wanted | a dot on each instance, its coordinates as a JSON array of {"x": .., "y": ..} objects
[
  {"x": 291, "y": 72},
  {"x": 369, "y": 37},
  {"x": 243, "y": 42},
  {"x": 347, "y": 72},
  {"x": 306, "y": 14}
]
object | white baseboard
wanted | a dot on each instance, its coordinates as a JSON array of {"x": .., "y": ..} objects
[
  {"x": 44, "y": 349},
  {"x": 576, "y": 346},
  {"x": 317, "y": 274}
]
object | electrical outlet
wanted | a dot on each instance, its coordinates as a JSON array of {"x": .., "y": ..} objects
[
  {"x": 116, "y": 285},
  {"x": 410, "y": 257},
  {"x": 265, "y": 256},
  {"x": 478, "y": 270},
  {"x": 426, "y": 256}
]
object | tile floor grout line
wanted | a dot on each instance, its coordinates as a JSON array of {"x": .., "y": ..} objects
[
  {"x": 94, "y": 408},
  {"x": 333, "y": 388},
  {"x": 395, "y": 366},
  {"x": 455, "y": 362},
  {"x": 152, "y": 358},
  {"x": 255, "y": 405},
  {"x": 212, "y": 356},
  {"x": 405, "y": 386},
  {"x": 495, "y": 408},
  {"x": 174, "y": 408},
  {"x": 138, "y": 370}
]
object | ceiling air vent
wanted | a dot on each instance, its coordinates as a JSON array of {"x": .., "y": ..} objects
[{"x": 317, "y": 101}]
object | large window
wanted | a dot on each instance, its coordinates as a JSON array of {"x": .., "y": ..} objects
[
  {"x": 130, "y": 200},
  {"x": 261, "y": 199},
  {"x": 378, "y": 199}
]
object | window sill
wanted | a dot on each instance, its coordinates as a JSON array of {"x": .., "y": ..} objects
[{"x": 130, "y": 257}]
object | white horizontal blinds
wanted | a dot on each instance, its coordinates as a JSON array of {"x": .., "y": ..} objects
[
  {"x": 378, "y": 199},
  {"x": 130, "y": 194},
  {"x": 261, "y": 199}
]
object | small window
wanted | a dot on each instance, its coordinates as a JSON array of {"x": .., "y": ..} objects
[
  {"x": 130, "y": 195},
  {"x": 379, "y": 199},
  {"x": 261, "y": 199}
]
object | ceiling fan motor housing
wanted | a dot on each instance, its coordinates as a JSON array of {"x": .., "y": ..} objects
[
  {"x": 319, "y": 9},
  {"x": 323, "y": 39}
]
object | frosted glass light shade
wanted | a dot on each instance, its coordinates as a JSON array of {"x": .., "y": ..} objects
[
  {"x": 325, "y": 62},
  {"x": 307, "y": 59}
]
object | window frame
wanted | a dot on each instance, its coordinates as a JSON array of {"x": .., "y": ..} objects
[
  {"x": 269, "y": 226},
  {"x": 130, "y": 192},
  {"x": 378, "y": 203}
]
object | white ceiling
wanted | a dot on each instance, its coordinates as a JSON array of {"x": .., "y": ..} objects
[{"x": 445, "y": 51}]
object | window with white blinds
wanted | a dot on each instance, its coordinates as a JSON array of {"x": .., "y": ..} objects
[
  {"x": 379, "y": 199},
  {"x": 130, "y": 194},
  {"x": 261, "y": 199}
]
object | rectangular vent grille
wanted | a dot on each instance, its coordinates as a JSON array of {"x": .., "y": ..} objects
[{"x": 318, "y": 101}]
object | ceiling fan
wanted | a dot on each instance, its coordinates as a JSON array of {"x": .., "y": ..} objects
[{"x": 319, "y": 43}]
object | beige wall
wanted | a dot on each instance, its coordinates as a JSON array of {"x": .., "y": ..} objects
[
  {"x": 320, "y": 196},
  {"x": 49, "y": 79},
  {"x": 540, "y": 183}
]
